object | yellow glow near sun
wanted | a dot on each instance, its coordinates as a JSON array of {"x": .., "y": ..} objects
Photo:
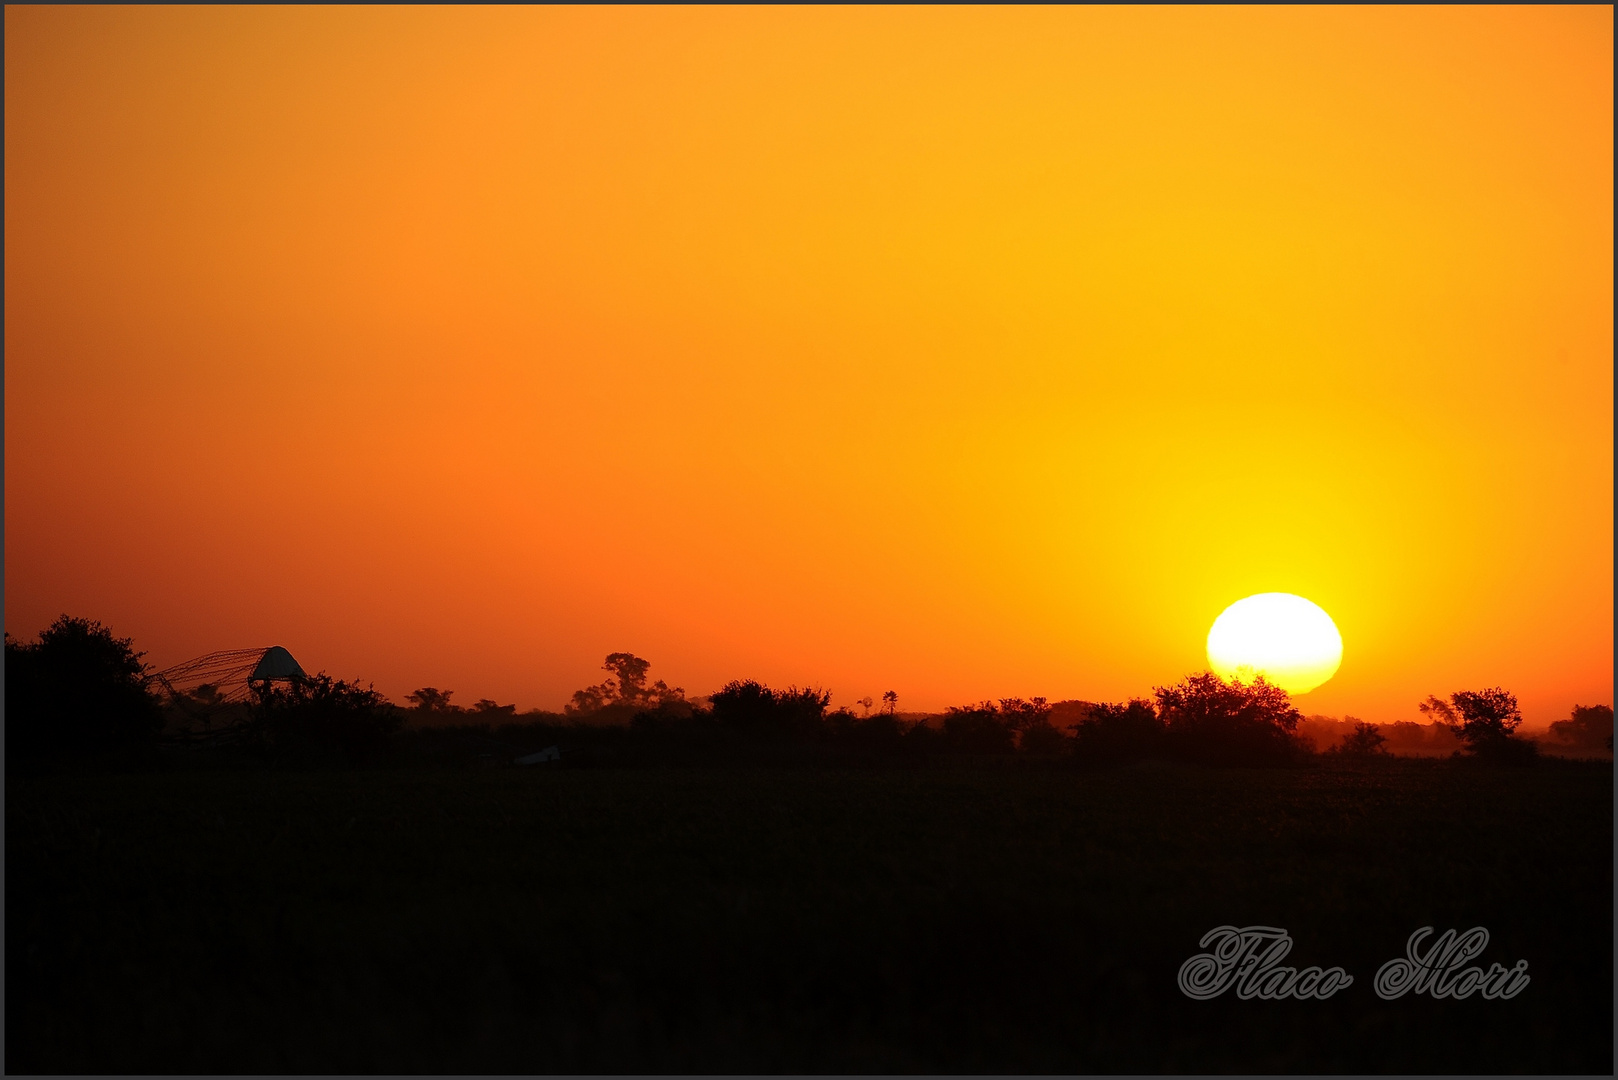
[{"x": 1290, "y": 641}]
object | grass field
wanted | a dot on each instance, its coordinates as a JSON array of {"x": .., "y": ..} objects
[{"x": 991, "y": 917}]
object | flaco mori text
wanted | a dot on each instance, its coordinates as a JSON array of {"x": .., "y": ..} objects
[{"x": 1247, "y": 959}]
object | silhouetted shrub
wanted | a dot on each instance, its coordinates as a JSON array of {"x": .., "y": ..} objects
[
  {"x": 923, "y": 739},
  {"x": 1030, "y": 725},
  {"x": 1041, "y": 739},
  {"x": 1589, "y": 728},
  {"x": 1421, "y": 740},
  {"x": 201, "y": 712},
  {"x": 882, "y": 736},
  {"x": 987, "y": 728},
  {"x": 1364, "y": 741},
  {"x": 1486, "y": 715},
  {"x": 1119, "y": 732},
  {"x": 750, "y": 707},
  {"x": 78, "y": 692},
  {"x": 430, "y": 699},
  {"x": 626, "y": 688},
  {"x": 977, "y": 729},
  {"x": 670, "y": 717},
  {"x": 1208, "y": 719},
  {"x": 321, "y": 720},
  {"x": 1485, "y": 721}
]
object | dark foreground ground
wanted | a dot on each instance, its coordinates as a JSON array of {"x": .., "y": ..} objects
[{"x": 965, "y": 919}]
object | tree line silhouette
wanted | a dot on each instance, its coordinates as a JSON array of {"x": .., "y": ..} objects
[{"x": 81, "y": 693}]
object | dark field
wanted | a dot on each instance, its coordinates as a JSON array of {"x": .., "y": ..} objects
[{"x": 1014, "y": 917}]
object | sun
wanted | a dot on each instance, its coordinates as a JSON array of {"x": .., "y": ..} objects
[{"x": 1290, "y": 641}]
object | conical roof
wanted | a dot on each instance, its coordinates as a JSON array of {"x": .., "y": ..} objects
[{"x": 276, "y": 663}]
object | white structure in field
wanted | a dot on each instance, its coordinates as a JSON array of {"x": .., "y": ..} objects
[{"x": 227, "y": 675}]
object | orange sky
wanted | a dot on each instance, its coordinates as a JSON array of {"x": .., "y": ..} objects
[{"x": 961, "y": 352}]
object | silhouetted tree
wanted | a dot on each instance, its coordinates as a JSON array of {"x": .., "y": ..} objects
[
  {"x": 631, "y": 672},
  {"x": 78, "y": 691},
  {"x": 320, "y": 720},
  {"x": 1020, "y": 715},
  {"x": 881, "y": 734},
  {"x": 1119, "y": 732},
  {"x": 1485, "y": 720},
  {"x": 431, "y": 699},
  {"x": 978, "y": 729},
  {"x": 590, "y": 699},
  {"x": 1030, "y": 722},
  {"x": 487, "y": 709},
  {"x": 1043, "y": 739},
  {"x": 890, "y": 701},
  {"x": 1425, "y": 740},
  {"x": 750, "y": 706},
  {"x": 627, "y": 686},
  {"x": 1588, "y": 728},
  {"x": 1366, "y": 740},
  {"x": 1486, "y": 714},
  {"x": 1439, "y": 711},
  {"x": 1209, "y": 719}
]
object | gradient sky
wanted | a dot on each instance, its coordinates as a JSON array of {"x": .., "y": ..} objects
[{"x": 961, "y": 352}]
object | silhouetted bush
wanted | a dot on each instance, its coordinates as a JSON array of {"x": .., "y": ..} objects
[
  {"x": 626, "y": 688},
  {"x": 1364, "y": 741},
  {"x": 1042, "y": 739},
  {"x": 320, "y": 720},
  {"x": 977, "y": 729},
  {"x": 1208, "y": 719},
  {"x": 1485, "y": 721},
  {"x": 201, "y": 713},
  {"x": 1588, "y": 728},
  {"x": 752, "y": 708},
  {"x": 78, "y": 692},
  {"x": 1031, "y": 727},
  {"x": 1486, "y": 715},
  {"x": 1421, "y": 740},
  {"x": 990, "y": 728},
  {"x": 1119, "y": 732},
  {"x": 431, "y": 699},
  {"x": 667, "y": 718},
  {"x": 882, "y": 734}
]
